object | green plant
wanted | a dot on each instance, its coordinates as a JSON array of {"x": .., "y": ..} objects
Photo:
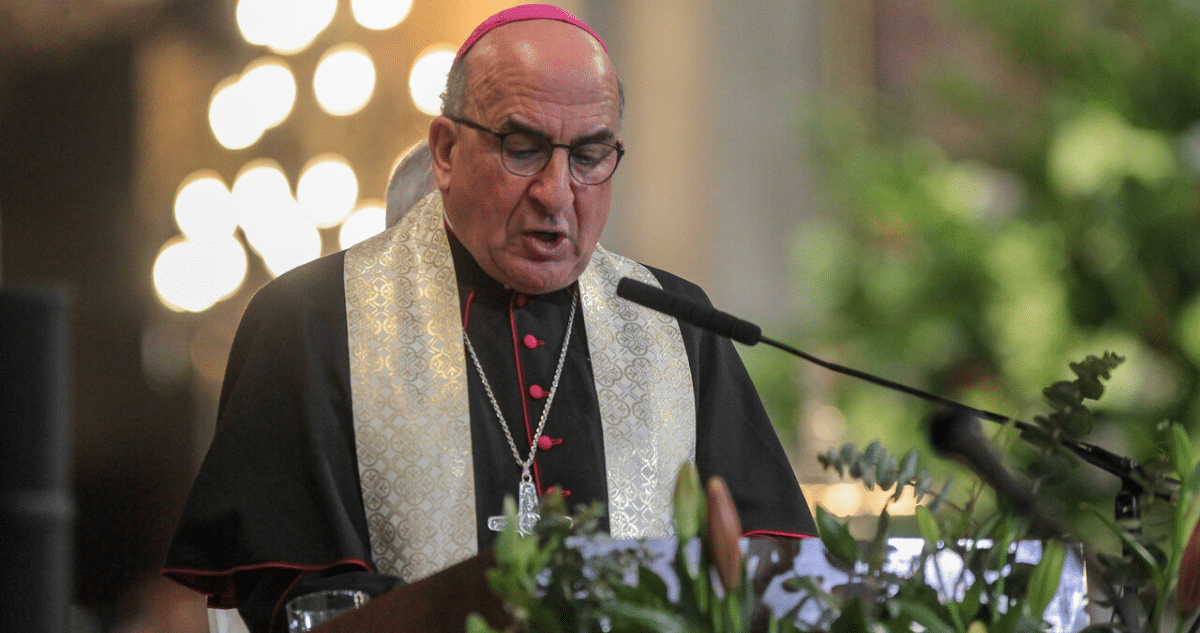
[
  {"x": 883, "y": 600},
  {"x": 548, "y": 585},
  {"x": 1159, "y": 563},
  {"x": 982, "y": 215},
  {"x": 1022, "y": 190},
  {"x": 1151, "y": 581}
]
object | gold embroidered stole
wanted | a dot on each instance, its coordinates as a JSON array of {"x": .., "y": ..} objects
[
  {"x": 647, "y": 404},
  {"x": 410, "y": 403}
]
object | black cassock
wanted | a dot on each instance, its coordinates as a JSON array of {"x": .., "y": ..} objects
[{"x": 277, "y": 497}]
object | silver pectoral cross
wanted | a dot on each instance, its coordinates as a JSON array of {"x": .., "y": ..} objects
[{"x": 527, "y": 508}]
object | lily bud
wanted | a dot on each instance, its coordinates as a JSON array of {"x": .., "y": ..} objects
[
  {"x": 689, "y": 505},
  {"x": 1187, "y": 595},
  {"x": 724, "y": 530}
]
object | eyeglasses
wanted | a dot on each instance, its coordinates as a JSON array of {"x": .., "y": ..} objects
[{"x": 525, "y": 154}]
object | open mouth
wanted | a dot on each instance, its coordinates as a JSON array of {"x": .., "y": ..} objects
[{"x": 546, "y": 236}]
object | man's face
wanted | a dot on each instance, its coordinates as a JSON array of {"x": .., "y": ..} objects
[{"x": 535, "y": 233}]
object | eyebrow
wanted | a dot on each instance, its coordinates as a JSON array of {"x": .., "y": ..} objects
[{"x": 600, "y": 136}]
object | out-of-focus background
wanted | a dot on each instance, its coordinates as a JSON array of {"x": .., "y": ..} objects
[{"x": 960, "y": 195}]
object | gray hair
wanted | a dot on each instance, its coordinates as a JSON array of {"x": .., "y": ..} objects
[
  {"x": 454, "y": 99},
  {"x": 412, "y": 179}
]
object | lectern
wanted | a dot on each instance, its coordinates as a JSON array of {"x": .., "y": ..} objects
[{"x": 437, "y": 604}]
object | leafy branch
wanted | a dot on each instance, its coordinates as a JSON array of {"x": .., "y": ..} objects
[
  {"x": 876, "y": 466},
  {"x": 1070, "y": 417}
]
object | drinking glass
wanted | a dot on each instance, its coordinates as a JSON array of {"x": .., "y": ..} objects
[{"x": 306, "y": 612}]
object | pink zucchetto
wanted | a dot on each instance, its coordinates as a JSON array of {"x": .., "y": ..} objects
[{"x": 525, "y": 12}]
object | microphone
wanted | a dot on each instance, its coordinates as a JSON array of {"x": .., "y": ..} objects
[
  {"x": 685, "y": 309},
  {"x": 956, "y": 434}
]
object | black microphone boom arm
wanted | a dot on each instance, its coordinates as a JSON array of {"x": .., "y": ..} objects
[{"x": 747, "y": 333}]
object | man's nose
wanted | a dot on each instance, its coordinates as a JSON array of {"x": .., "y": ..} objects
[{"x": 553, "y": 185}]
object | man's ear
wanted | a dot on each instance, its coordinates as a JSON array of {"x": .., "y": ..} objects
[{"x": 443, "y": 134}]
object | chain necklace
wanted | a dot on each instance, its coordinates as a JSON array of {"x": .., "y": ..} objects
[{"x": 527, "y": 512}]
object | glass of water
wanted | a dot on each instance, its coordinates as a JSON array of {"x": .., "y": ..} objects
[{"x": 306, "y": 612}]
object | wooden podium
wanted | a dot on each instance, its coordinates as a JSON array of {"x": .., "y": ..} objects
[{"x": 437, "y": 604}]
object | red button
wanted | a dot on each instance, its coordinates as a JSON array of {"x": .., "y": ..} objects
[
  {"x": 536, "y": 392},
  {"x": 547, "y": 443},
  {"x": 522, "y": 300},
  {"x": 531, "y": 341}
]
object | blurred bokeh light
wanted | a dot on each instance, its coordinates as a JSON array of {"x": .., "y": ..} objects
[
  {"x": 344, "y": 79},
  {"x": 246, "y": 105},
  {"x": 367, "y": 221},
  {"x": 281, "y": 212},
  {"x": 427, "y": 80},
  {"x": 270, "y": 88},
  {"x": 271, "y": 219},
  {"x": 203, "y": 207},
  {"x": 192, "y": 275},
  {"x": 284, "y": 26},
  {"x": 327, "y": 190},
  {"x": 227, "y": 116},
  {"x": 378, "y": 15}
]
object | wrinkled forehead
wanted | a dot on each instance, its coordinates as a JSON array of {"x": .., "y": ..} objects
[{"x": 542, "y": 62}]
